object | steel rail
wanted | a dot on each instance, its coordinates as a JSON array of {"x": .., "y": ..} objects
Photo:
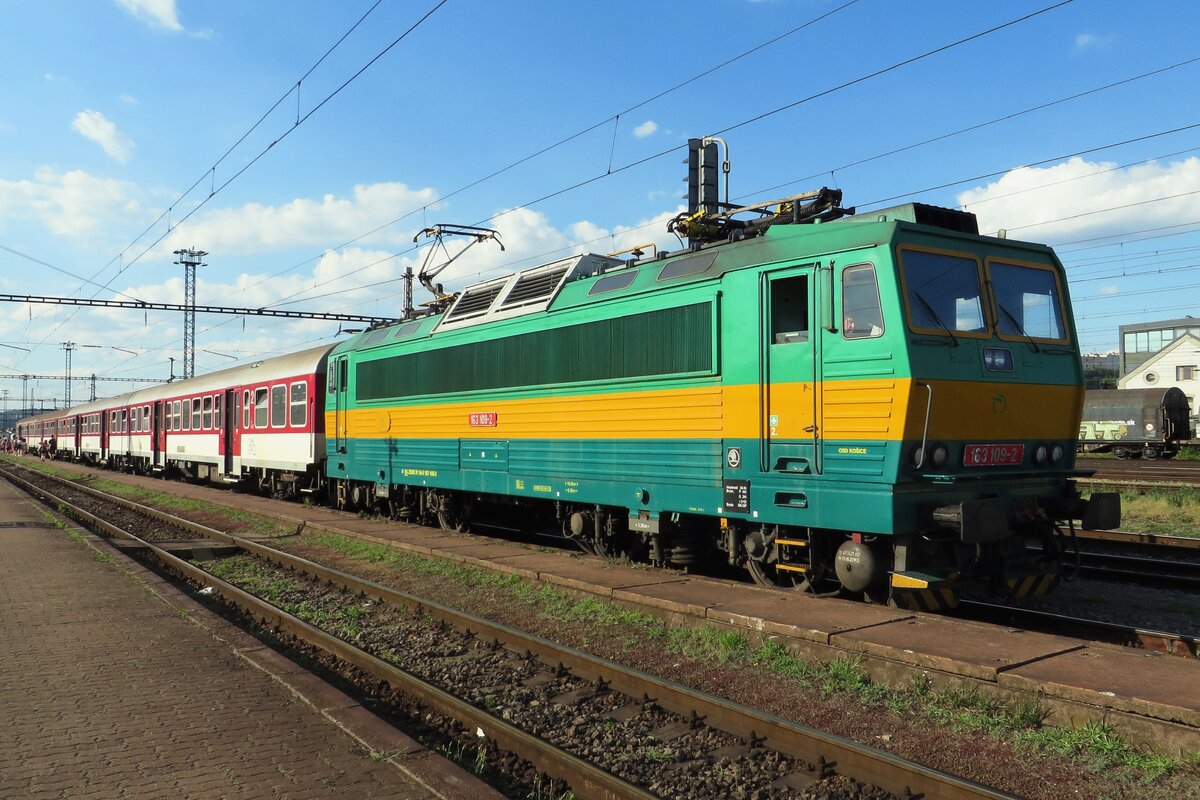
[
  {"x": 1174, "y": 644},
  {"x": 863, "y": 763},
  {"x": 1151, "y": 542}
]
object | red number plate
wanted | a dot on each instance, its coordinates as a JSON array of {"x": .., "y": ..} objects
[
  {"x": 992, "y": 455},
  {"x": 483, "y": 419}
]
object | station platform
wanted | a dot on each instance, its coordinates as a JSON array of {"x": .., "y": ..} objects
[
  {"x": 115, "y": 685},
  {"x": 1149, "y": 697}
]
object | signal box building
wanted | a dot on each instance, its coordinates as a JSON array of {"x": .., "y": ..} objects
[
  {"x": 1142, "y": 341},
  {"x": 1175, "y": 364}
]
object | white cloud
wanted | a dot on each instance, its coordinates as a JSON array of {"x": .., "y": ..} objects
[
  {"x": 95, "y": 126},
  {"x": 129, "y": 100},
  {"x": 74, "y": 204},
  {"x": 1080, "y": 197},
  {"x": 50, "y": 77},
  {"x": 647, "y": 128},
  {"x": 1110, "y": 290},
  {"x": 156, "y": 13},
  {"x": 1090, "y": 41},
  {"x": 254, "y": 227}
]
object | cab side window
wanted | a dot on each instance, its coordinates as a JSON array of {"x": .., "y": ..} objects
[{"x": 862, "y": 314}]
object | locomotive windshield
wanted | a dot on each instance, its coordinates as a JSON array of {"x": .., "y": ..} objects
[
  {"x": 1027, "y": 301},
  {"x": 943, "y": 292}
]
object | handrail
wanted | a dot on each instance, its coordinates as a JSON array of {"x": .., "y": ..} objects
[{"x": 925, "y": 433}]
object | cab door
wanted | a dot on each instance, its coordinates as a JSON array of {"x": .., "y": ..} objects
[
  {"x": 340, "y": 373},
  {"x": 790, "y": 357}
]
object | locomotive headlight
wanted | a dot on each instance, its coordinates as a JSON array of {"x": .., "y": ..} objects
[
  {"x": 1041, "y": 454},
  {"x": 917, "y": 456},
  {"x": 1149, "y": 427},
  {"x": 1056, "y": 453},
  {"x": 940, "y": 455}
]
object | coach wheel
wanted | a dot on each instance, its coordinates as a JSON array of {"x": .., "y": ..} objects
[{"x": 1153, "y": 452}]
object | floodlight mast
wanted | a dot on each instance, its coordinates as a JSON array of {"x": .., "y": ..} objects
[
  {"x": 189, "y": 259},
  {"x": 438, "y": 233}
]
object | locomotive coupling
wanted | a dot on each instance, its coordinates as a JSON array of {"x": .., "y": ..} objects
[{"x": 975, "y": 520}]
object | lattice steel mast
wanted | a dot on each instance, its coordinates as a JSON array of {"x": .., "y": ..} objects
[{"x": 190, "y": 259}]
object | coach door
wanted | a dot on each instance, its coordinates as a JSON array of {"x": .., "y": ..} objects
[
  {"x": 158, "y": 433},
  {"x": 339, "y": 374},
  {"x": 789, "y": 356},
  {"x": 228, "y": 420}
]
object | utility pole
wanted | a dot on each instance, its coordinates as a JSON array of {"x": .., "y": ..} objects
[
  {"x": 93, "y": 397},
  {"x": 408, "y": 292},
  {"x": 171, "y": 378},
  {"x": 189, "y": 259},
  {"x": 68, "y": 347}
]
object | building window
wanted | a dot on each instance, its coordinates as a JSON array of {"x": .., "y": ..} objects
[{"x": 1185, "y": 373}]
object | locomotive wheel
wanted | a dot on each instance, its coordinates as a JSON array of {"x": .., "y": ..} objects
[
  {"x": 454, "y": 515},
  {"x": 767, "y": 575}
]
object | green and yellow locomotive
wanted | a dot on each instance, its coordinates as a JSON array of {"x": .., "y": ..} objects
[{"x": 883, "y": 404}]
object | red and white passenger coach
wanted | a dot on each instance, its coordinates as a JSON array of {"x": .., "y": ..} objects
[{"x": 262, "y": 421}]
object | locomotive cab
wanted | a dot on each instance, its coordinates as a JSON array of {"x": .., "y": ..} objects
[{"x": 973, "y": 351}]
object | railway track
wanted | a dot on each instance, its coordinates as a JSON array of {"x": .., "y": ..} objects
[
  {"x": 1161, "y": 566},
  {"x": 1080, "y": 628},
  {"x": 1141, "y": 475},
  {"x": 740, "y": 737}
]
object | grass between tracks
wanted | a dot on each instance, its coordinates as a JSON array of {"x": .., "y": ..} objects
[
  {"x": 1176, "y": 513},
  {"x": 1096, "y": 745}
]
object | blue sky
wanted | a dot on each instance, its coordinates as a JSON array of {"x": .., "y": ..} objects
[{"x": 112, "y": 109}]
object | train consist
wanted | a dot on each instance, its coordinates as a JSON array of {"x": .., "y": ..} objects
[
  {"x": 883, "y": 404},
  {"x": 1132, "y": 423}
]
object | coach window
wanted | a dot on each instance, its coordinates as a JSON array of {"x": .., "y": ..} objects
[
  {"x": 146, "y": 417},
  {"x": 278, "y": 406},
  {"x": 261, "y": 408},
  {"x": 196, "y": 414},
  {"x": 178, "y": 424},
  {"x": 789, "y": 310},
  {"x": 299, "y": 410},
  {"x": 246, "y": 409},
  {"x": 124, "y": 420},
  {"x": 216, "y": 412},
  {"x": 208, "y": 413}
]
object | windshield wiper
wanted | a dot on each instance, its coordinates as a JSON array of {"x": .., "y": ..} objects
[
  {"x": 1017, "y": 325},
  {"x": 934, "y": 316}
]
